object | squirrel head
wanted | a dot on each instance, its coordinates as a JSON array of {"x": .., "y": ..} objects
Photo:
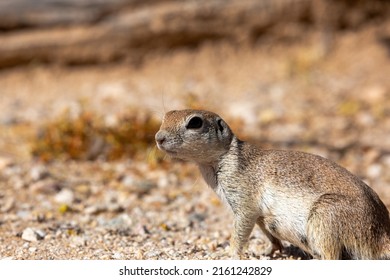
[{"x": 194, "y": 135}]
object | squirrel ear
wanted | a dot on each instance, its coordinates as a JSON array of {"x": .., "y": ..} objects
[
  {"x": 223, "y": 128},
  {"x": 221, "y": 125}
]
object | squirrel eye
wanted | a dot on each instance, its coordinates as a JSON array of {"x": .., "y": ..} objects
[{"x": 195, "y": 122}]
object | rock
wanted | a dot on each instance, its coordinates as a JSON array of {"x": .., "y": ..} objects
[
  {"x": 78, "y": 241},
  {"x": 166, "y": 180},
  {"x": 114, "y": 207},
  {"x": 144, "y": 186},
  {"x": 197, "y": 217},
  {"x": 45, "y": 187},
  {"x": 65, "y": 196},
  {"x": 95, "y": 209},
  {"x": 120, "y": 222},
  {"x": 38, "y": 172},
  {"x": 24, "y": 214},
  {"x": 139, "y": 187},
  {"x": 374, "y": 171},
  {"x": 40, "y": 233},
  {"x": 117, "y": 256},
  {"x": 365, "y": 119},
  {"x": 32, "y": 249},
  {"x": 128, "y": 180},
  {"x": 31, "y": 235},
  {"x": 156, "y": 202}
]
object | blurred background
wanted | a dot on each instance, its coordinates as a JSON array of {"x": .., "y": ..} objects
[{"x": 84, "y": 85}]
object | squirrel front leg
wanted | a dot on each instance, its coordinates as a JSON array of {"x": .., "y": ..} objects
[{"x": 243, "y": 227}]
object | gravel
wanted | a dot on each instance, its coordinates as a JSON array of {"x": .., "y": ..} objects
[{"x": 184, "y": 220}]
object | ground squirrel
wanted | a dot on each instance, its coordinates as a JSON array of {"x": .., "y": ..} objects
[{"x": 302, "y": 198}]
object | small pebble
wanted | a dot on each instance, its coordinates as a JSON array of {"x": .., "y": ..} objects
[
  {"x": 78, "y": 241},
  {"x": 40, "y": 233},
  {"x": 114, "y": 207},
  {"x": 38, "y": 173},
  {"x": 65, "y": 196},
  {"x": 374, "y": 171},
  {"x": 143, "y": 187},
  {"x": 117, "y": 256},
  {"x": 29, "y": 235},
  {"x": 45, "y": 187},
  {"x": 32, "y": 235},
  {"x": 128, "y": 180},
  {"x": 95, "y": 209},
  {"x": 24, "y": 214},
  {"x": 32, "y": 249}
]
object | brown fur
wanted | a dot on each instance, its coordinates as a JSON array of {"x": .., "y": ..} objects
[{"x": 304, "y": 199}]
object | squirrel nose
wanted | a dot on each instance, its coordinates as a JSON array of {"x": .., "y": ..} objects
[{"x": 160, "y": 137}]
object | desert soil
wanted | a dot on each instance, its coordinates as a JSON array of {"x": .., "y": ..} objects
[{"x": 282, "y": 94}]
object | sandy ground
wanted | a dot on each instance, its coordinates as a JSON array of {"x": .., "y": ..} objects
[{"x": 278, "y": 94}]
